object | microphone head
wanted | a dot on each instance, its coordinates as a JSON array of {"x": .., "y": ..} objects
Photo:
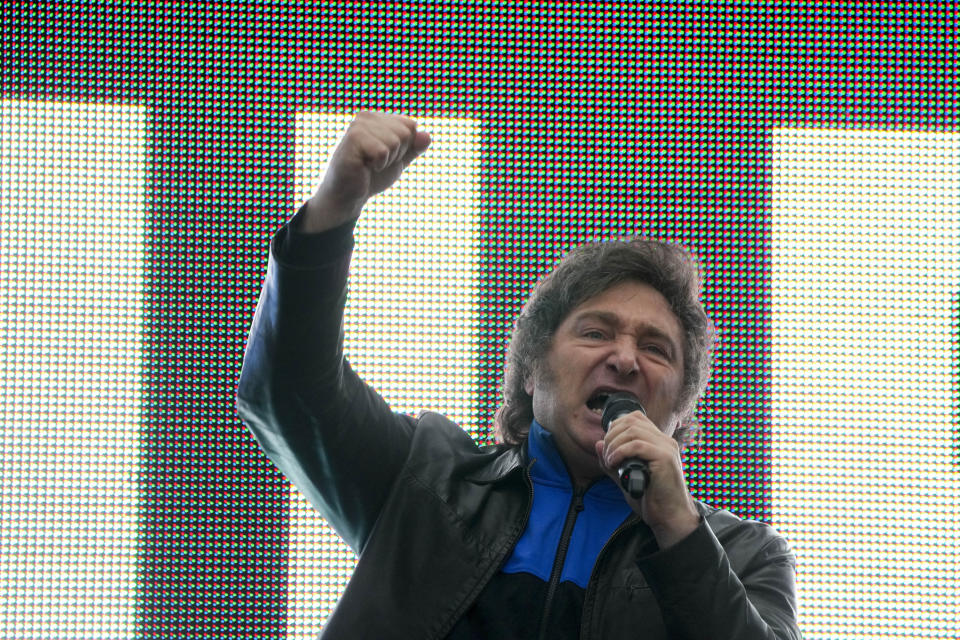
[{"x": 618, "y": 404}]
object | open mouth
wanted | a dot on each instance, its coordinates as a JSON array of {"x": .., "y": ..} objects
[{"x": 596, "y": 402}]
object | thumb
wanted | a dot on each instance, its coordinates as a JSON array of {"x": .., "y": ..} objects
[{"x": 421, "y": 140}]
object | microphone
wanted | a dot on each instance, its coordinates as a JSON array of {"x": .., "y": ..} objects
[{"x": 634, "y": 473}]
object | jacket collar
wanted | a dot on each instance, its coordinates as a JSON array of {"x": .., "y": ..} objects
[
  {"x": 539, "y": 456},
  {"x": 504, "y": 460}
]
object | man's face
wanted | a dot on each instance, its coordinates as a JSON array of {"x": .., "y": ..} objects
[{"x": 624, "y": 339}]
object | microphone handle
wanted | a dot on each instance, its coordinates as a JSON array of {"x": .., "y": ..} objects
[{"x": 634, "y": 476}]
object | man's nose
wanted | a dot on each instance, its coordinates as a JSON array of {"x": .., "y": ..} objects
[{"x": 623, "y": 358}]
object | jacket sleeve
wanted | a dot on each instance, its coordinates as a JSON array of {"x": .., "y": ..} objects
[
  {"x": 329, "y": 433},
  {"x": 742, "y": 591}
]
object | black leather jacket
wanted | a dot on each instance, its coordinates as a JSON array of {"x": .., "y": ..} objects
[{"x": 433, "y": 517}]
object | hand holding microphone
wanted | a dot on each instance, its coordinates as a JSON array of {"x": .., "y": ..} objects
[
  {"x": 634, "y": 474},
  {"x": 666, "y": 505}
]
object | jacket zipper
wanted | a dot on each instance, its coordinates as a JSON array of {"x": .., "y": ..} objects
[
  {"x": 576, "y": 506},
  {"x": 590, "y": 595}
]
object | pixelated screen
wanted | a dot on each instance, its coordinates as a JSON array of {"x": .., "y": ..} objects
[{"x": 807, "y": 153}]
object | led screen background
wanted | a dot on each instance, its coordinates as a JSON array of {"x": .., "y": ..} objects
[{"x": 588, "y": 120}]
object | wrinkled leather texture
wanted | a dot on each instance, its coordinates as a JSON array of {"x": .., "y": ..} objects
[{"x": 432, "y": 516}]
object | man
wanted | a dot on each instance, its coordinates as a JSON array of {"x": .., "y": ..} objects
[{"x": 533, "y": 537}]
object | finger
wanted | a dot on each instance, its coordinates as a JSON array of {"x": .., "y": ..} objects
[
  {"x": 361, "y": 146},
  {"x": 602, "y": 451},
  {"x": 639, "y": 440},
  {"x": 634, "y": 417},
  {"x": 375, "y": 154},
  {"x": 368, "y": 136},
  {"x": 630, "y": 427},
  {"x": 398, "y": 133},
  {"x": 394, "y": 135},
  {"x": 611, "y": 472},
  {"x": 415, "y": 139},
  {"x": 381, "y": 148},
  {"x": 403, "y": 127},
  {"x": 617, "y": 453},
  {"x": 628, "y": 422},
  {"x": 417, "y": 146},
  {"x": 396, "y": 144},
  {"x": 407, "y": 122}
]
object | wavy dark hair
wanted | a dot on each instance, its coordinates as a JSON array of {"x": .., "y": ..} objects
[{"x": 584, "y": 272}]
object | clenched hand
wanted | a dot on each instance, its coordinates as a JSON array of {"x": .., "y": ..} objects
[{"x": 375, "y": 150}]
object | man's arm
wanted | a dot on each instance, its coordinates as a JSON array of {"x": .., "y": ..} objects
[
  {"x": 728, "y": 580},
  {"x": 703, "y": 590},
  {"x": 333, "y": 436}
]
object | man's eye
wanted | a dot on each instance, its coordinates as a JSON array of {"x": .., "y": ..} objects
[
  {"x": 594, "y": 335},
  {"x": 657, "y": 349}
]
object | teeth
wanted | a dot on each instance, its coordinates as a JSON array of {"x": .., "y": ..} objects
[{"x": 596, "y": 403}]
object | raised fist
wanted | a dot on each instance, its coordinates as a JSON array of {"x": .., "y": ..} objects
[{"x": 375, "y": 150}]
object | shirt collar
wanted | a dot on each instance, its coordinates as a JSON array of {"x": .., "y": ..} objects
[{"x": 548, "y": 466}]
